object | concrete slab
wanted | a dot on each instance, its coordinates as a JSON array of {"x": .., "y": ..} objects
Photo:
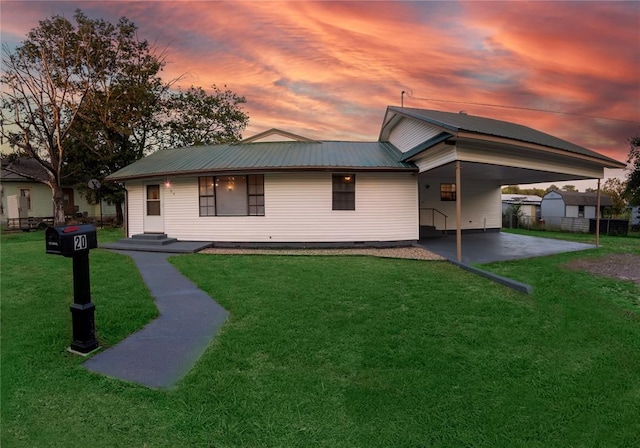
[
  {"x": 498, "y": 246},
  {"x": 177, "y": 247},
  {"x": 166, "y": 349}
]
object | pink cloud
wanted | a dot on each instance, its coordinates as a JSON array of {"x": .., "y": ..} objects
[{"x": 329, "y": 69}]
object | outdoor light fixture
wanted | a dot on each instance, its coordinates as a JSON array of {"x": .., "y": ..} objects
[
  {"x": 167, "y": 183},
  {"x": 347, "y": 178}
]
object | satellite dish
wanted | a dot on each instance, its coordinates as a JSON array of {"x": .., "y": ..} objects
[{"x": 94, "y": 184}]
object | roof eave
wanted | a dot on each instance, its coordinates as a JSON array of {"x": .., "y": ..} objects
[{"x": 408, "y": 168}]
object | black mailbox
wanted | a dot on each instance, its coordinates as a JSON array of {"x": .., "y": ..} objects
[{"x": 71, "y": 240}]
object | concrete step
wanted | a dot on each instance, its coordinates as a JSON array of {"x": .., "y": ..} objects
[
  {"x": 149, "y": 236},
  {"x": 149, "y": 239}
]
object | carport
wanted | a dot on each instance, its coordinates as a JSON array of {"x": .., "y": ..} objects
[
  {"x": 499, "y": 246},
  {"x": 462, "y": 165}
]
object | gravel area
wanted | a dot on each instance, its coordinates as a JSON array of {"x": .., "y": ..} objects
[
  {"x": 414, "y": 253},
  {"x": 622, "y": 266}
]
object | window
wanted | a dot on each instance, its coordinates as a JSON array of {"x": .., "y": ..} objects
[
  {"x": 580, "y": 211},
  {"x": 231, "y": 195},
  {"x": 153, "y": 200},
  {"x": 26, "y": 193},
  {"x": 207, "y": 196},
  {"x": 344, "y": 192},
  {"x": 256, "y": 195},
  {"x": 447, "y": 192}
]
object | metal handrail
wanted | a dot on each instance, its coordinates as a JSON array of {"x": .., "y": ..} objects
[{"x": 433, "y": 216}]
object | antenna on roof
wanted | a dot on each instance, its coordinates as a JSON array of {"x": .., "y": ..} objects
[{"x": 402, "y": 99}]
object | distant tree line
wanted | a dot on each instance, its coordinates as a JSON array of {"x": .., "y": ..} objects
[{"x": 85, "y": 98}]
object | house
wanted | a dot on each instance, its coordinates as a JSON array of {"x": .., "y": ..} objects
[
  {"x": 428, "y": 169},
  {"x": 635, "y": 216},
  {"x": 529, "y": 208},
  {"x": 572, "y": 210},
  {"x": 25, "y": 200}
]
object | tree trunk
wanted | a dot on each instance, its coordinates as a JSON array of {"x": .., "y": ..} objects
[
  {"x": 119, "y": 215},
  {"x": 58, "y": 205}
]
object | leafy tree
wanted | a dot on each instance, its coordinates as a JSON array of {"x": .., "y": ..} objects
[
  {"x": 198, "y": 118},
  {"x": 552, "y": 187},
  {"x": 569, "y": 188},
  {"x": 85, "y": 99},
  {"x": 120, "y": 117},
  {"x": 614, "y": 188},
  {"x": 632, "y": 190},
  {"x": 511, "y": 189},
  {"x": 44, "y": 82}
]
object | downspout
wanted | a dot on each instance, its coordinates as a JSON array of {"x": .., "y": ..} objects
[
  {"x": 126, "y": 212},
  {"x": 598, "y": 216},
  {"x": 458, "y": 215}
]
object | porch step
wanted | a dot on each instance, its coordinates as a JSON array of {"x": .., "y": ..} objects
[
  {"x": 152, "y": 239},
  {"x": 430, "y": 232}
]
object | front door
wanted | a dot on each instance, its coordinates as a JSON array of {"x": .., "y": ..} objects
[{"x": 153, "y": 209}]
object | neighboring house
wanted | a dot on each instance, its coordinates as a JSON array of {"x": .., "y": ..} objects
[
  {"x": 280, "y": 188},
  {"x": 635, "y": 216},
  {"x": 572, "y": 210},
  {"x": 529, "y": 207},
  {"x": 23, "y": 197}
]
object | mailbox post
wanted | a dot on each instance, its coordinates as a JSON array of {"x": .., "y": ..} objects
[{"x": 75, "y": 242}]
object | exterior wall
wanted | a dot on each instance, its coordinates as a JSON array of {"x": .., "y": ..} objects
[
  {"x": 298, "y": 208},
  {"x": 41, "y": 203},
  {"x": 552, "y": 205},
  {"x": 481, "y": 204},
  {"x": 409, "y": 133}
]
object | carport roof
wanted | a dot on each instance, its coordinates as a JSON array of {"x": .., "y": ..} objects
[{"x": 457, "y": 122}]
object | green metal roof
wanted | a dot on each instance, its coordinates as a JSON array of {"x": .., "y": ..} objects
[
  {"x": 267, "y": 156},
  {"x": 455, "y": 122}
]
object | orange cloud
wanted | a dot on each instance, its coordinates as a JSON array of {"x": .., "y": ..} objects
[{"x": 329, "y": 69}]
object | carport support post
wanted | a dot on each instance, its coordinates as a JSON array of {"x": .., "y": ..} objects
[
  {"x": 82, "y": 310},
  {"x": 458, "y": 215},
  {"x": 598, "y": 216}
]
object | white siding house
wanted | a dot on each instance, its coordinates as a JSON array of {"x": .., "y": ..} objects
[
  {"x": 277, "y": 187},
  {"x": 297, "y": 207}
]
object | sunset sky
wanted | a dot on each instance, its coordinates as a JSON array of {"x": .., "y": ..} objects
[{"x": 327, "y": 70}]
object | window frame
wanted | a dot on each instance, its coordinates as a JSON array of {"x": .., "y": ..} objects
[
  {"x": 448, "y": 192},
  {"x": 155, "y": 202},
  {"x": 251, "y": 181},
  {"x": 343, "y": 191}
]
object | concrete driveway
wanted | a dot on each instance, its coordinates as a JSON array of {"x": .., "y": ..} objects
[{"x": 498, "y": 246}]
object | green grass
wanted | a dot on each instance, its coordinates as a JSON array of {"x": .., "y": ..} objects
[{"x": 333, "y": 351}]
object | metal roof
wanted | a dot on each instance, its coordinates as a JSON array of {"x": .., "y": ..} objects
[
  {"x": 578, "y": 198},
  {"x": 455, "y": 122},
  {"x": 267, "y": 156}
]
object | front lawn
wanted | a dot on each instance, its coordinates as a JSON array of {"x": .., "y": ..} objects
[{"x": 332, "y": 351}]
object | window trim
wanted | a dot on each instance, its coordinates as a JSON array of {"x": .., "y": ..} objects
[
  {"x": 336, "y": 204},
  {"x": 247, "y": 178},
  {"x": 153, "y": 201},
  {"x": 448, "y": 192}
]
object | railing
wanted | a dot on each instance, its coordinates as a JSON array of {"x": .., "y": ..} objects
[{"x": 433, "y": 216}]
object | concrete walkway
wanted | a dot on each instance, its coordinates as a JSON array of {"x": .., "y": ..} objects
[{"x": 166, "y": 349}]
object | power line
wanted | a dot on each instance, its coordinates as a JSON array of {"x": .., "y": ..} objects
[{"x": 410, "y": 95}]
